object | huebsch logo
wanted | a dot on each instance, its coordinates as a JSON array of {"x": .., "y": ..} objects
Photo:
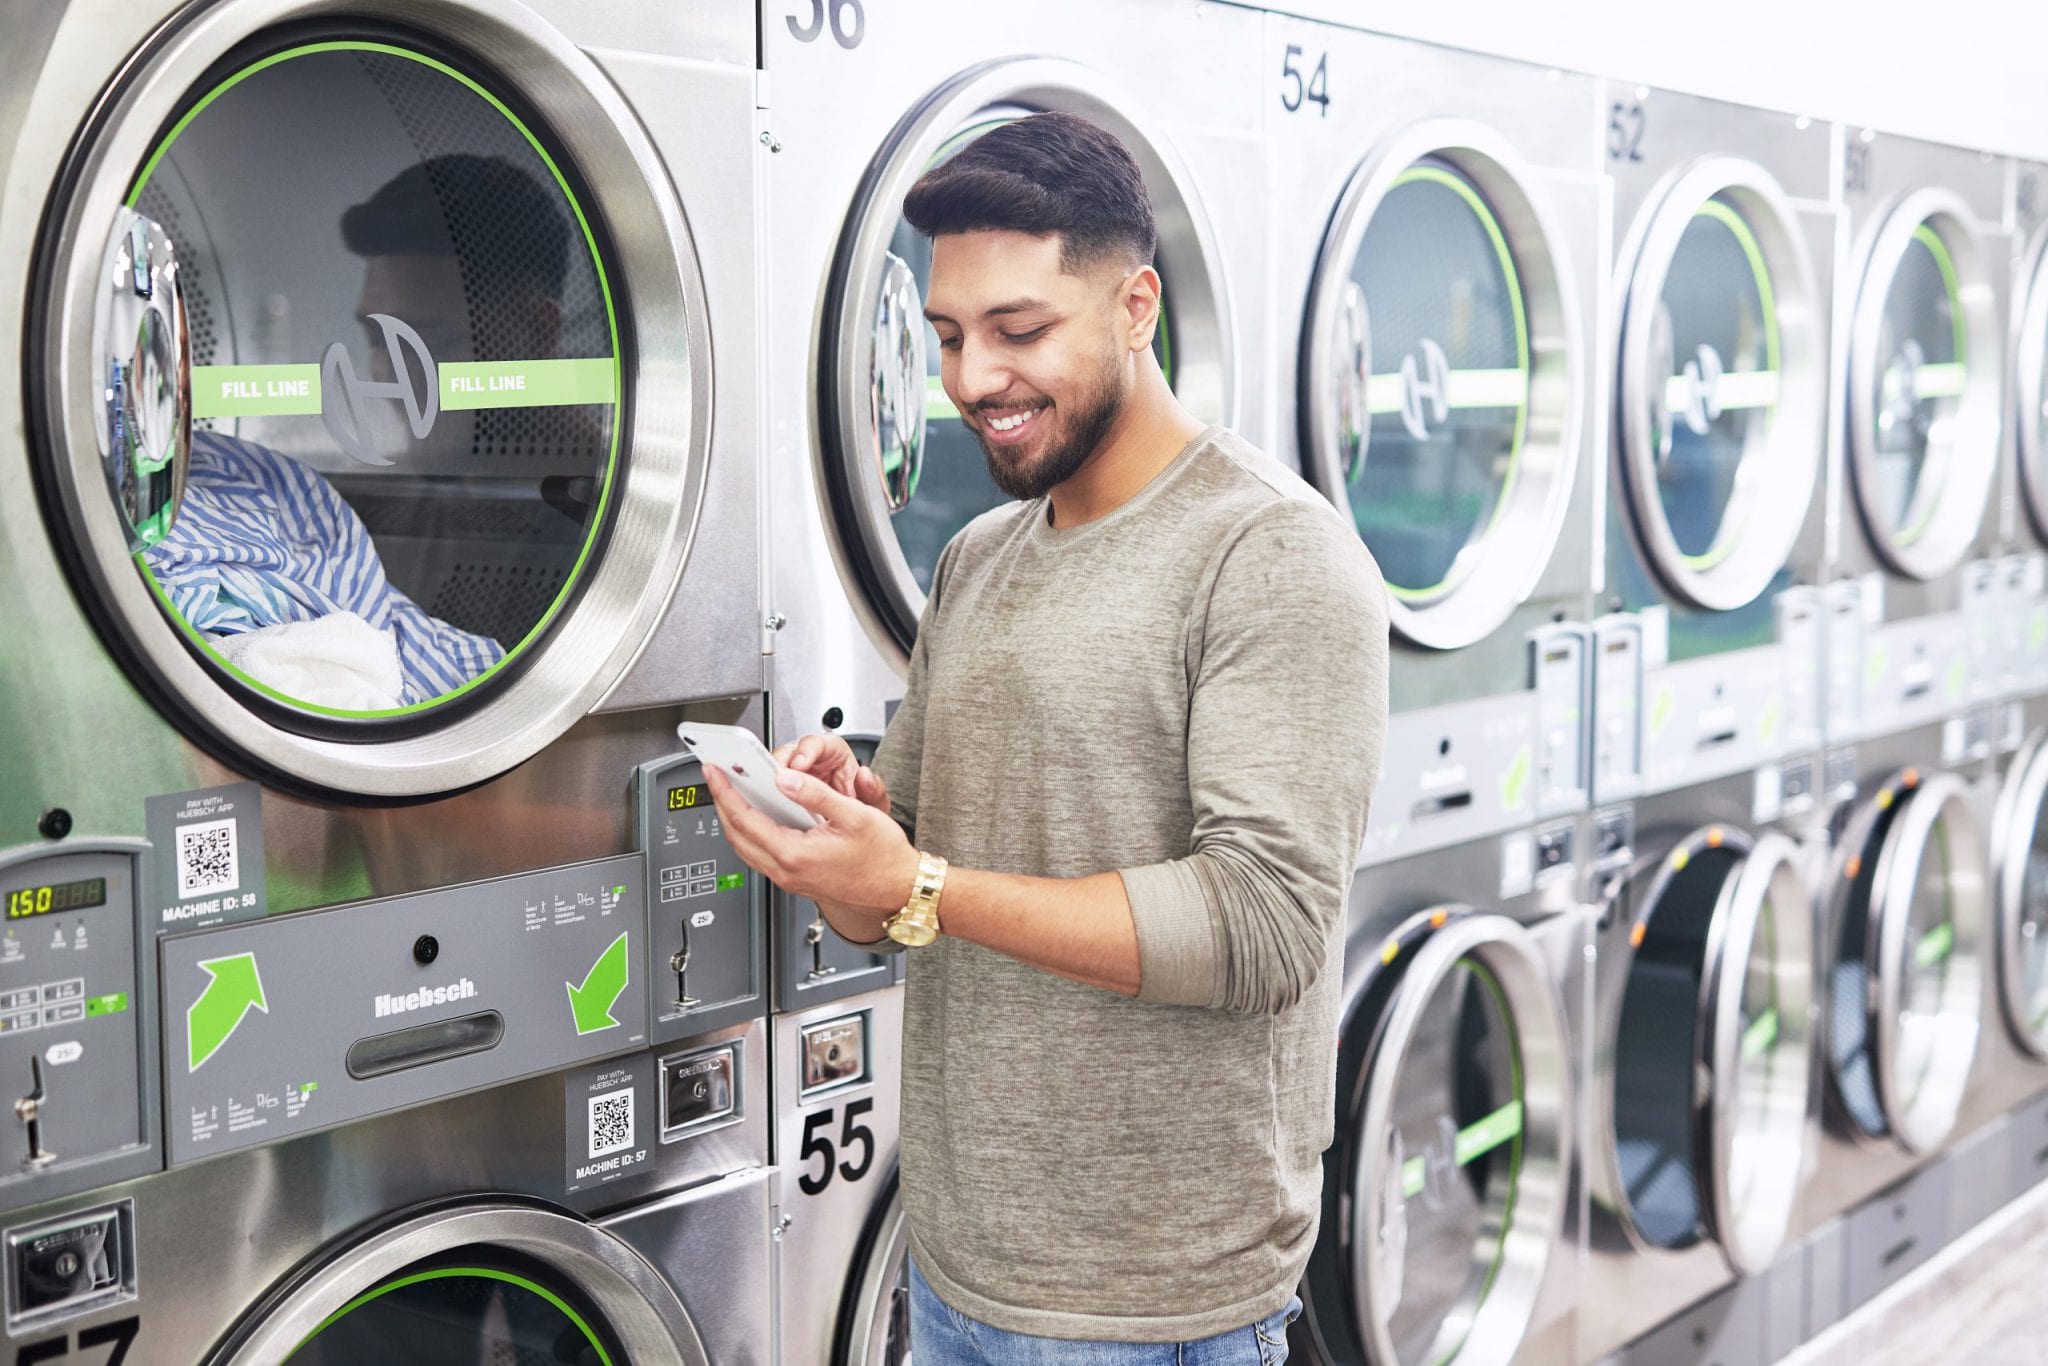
[
  {"x": 1425, "y": 390},
  {"x": 416, "y": 383},
  {"x": 424, "y": 998}
]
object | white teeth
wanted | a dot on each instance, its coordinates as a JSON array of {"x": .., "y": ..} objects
[{"x": 1009, "y": 424}]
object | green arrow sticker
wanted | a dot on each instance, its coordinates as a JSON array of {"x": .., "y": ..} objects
[
  {"x": 1473, "y": 1142},
  {"x": 1761, "y": 1034},
  {"x": 233, "y": 989},
  {"x": 1514, "y": 783},
  {"x": 1937, "y": 944},
  {"x": 1663, "y": 706},
  {"x": 591, "y": 1003}
]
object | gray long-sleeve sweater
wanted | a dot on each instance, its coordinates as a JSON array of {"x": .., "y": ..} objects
[{"x": 1190, "y": 691}]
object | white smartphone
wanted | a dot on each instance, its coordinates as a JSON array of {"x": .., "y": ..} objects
[{"x": 751, "y": 767}]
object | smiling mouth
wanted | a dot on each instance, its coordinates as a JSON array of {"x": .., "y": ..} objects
[{"x": 1007, "y": 426}]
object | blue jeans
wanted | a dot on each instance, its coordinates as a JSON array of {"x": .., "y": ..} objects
[{"x": 941, "y": 1335}]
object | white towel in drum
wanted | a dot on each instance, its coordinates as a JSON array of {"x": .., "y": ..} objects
[{"x": 338, "y": 660}]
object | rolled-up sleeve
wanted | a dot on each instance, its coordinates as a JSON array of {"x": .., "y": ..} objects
[{"x": 1286, "y": 717}]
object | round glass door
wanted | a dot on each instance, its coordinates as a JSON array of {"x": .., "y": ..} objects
[
  {"x": 448, "y": 1310},
  {"x": 1451, "y": 1099},
  {"x": 1437, "y": 404},
  {"x": 874, "y": 1325},
  {"x": 1904, "y": 991},
  {"x": 1923, "y": 396},
  {"x": 905, "y": 471},
  {"x": 477, "y": 1283},
  {"x": 2030, "y": 391},
  {"x": 359, "y": 473},
  {"x": 1709, "y": 1075},
  {"x": 2021, "y": 836},
  {"x": 1722, "y": 385}
]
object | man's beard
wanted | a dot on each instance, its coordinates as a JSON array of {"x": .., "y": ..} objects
[{"x": 1090, "y": 422}]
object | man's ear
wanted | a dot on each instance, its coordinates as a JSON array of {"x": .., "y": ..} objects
[{"x": 1140, "y": 295}]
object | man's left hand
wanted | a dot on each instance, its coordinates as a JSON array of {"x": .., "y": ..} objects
[{"x": 858, "y": 860}]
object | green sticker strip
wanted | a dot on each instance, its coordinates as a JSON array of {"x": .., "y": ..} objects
[
  {"x": 1473, "y": 1142},
  {"x": 1514, "y": 782},
  {"x": 730, "y": 881},
  {"x": 1944, "y": 379},
  {"x": 1761, "y": 1034},
  {"x": 1937, "y": 944},
  {"x": 465, "y": 1273},
  {"x": 612, "y": 330},
  {"x": 112, "y": 1004},
  {"x": 1737, "y": 389},
  {"x": 255, "y": 390},
  {"x": 294, "y": 390}
]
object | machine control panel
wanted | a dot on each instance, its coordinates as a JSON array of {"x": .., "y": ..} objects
[
  {"x": 1842, "y": 630},
  {"x": 704, "y": 944},
  {"x": 1617, "y": 747},
  {"x": 279, "y": 1027},
  {"x": 77, "y": 1041},
  {"x": 1557, "y": 661},
  {"x": 813, "y": 963},
  {"x": 1799, "y": 636}
]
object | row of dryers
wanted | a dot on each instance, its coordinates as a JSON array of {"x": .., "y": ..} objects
[{"x": 428, "y": 405}]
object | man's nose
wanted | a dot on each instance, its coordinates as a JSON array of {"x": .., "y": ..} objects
[{"x": 982, "y": 374}]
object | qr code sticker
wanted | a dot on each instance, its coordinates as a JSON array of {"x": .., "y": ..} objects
[
  {"x": 207, "y": 859},
  {"x": 611, "y": 1122}
]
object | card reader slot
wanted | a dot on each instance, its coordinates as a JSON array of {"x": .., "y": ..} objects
[
  {"x": 1714, "y": 740},
  {"x": 382, "y": 1054},
  {"x": 1436, "y": 806}
]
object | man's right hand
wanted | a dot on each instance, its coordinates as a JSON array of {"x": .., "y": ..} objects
[{"x": 830, "y": 760}]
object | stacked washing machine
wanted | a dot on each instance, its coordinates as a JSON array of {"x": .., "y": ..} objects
[
  {"x": 1706, "y": 712},
  {"x": 378, "y": 438},
  {"x": 1437, "y": 294},
  {"x": 870, "y": 471}
]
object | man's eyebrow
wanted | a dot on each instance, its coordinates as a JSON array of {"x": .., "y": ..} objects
[{"x": 1026, "y": 305}]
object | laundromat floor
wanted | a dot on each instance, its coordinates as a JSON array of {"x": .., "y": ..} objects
[{"x": 1983, "y": 1301}]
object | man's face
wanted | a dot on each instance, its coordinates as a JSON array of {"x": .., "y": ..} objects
[{"x": 1038, "y": 360}]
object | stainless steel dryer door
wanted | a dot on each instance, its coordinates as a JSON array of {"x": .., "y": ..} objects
[
  {"x": 371, "y": 391},
  {"x": 2020, "y": 853},
  {"x": 1707, "y": 1091},
  {"x": 484, "y": 1282},
  {"x": 874, "y": 1327},
  {"x": 1925, "y": 374},
  {"x": 905, "y": 470},
  {"x": 1452, "y": 1134},
  {"x": 2030, "y": 388},
  {"x": 1911, "y": 916},
  {"x": 1441, "y": 375},
  {"x": 1723, "y": 384}
]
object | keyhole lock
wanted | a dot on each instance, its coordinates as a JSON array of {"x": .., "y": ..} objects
[
  {"x": 29, "y": 1110},
  {"x": 814, "y": 935},
  {"x": 679, "y": 963}
]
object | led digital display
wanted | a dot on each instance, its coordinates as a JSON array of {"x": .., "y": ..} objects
[
  {"x": 56, "y": 896},
  {"x": 683, "y": 798}
]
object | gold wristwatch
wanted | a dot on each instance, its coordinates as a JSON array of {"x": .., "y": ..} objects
[{"x": 917, "y": 923}]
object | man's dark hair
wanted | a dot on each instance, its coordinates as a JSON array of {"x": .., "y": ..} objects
[
  {"x": 1045, "y": 174},
  {"x": 514, "y": 231}
]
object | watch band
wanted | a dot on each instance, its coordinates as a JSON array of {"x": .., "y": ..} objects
[{"x": 917, "y": 923}]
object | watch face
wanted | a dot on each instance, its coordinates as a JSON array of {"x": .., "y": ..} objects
[{"x": 915, "y": 933}]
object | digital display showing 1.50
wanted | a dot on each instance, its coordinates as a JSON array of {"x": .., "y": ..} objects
[
  {"x": 57, "y": 896},
  {"x": 683, "y": 798}
]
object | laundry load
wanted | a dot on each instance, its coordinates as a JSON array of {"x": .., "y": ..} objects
[{"x": 262, "y": 542}]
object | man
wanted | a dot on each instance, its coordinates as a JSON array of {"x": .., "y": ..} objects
[{"x": 1142, "y": 721}]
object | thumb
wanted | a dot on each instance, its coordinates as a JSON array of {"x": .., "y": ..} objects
[{"x": 817, "y": 797}]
